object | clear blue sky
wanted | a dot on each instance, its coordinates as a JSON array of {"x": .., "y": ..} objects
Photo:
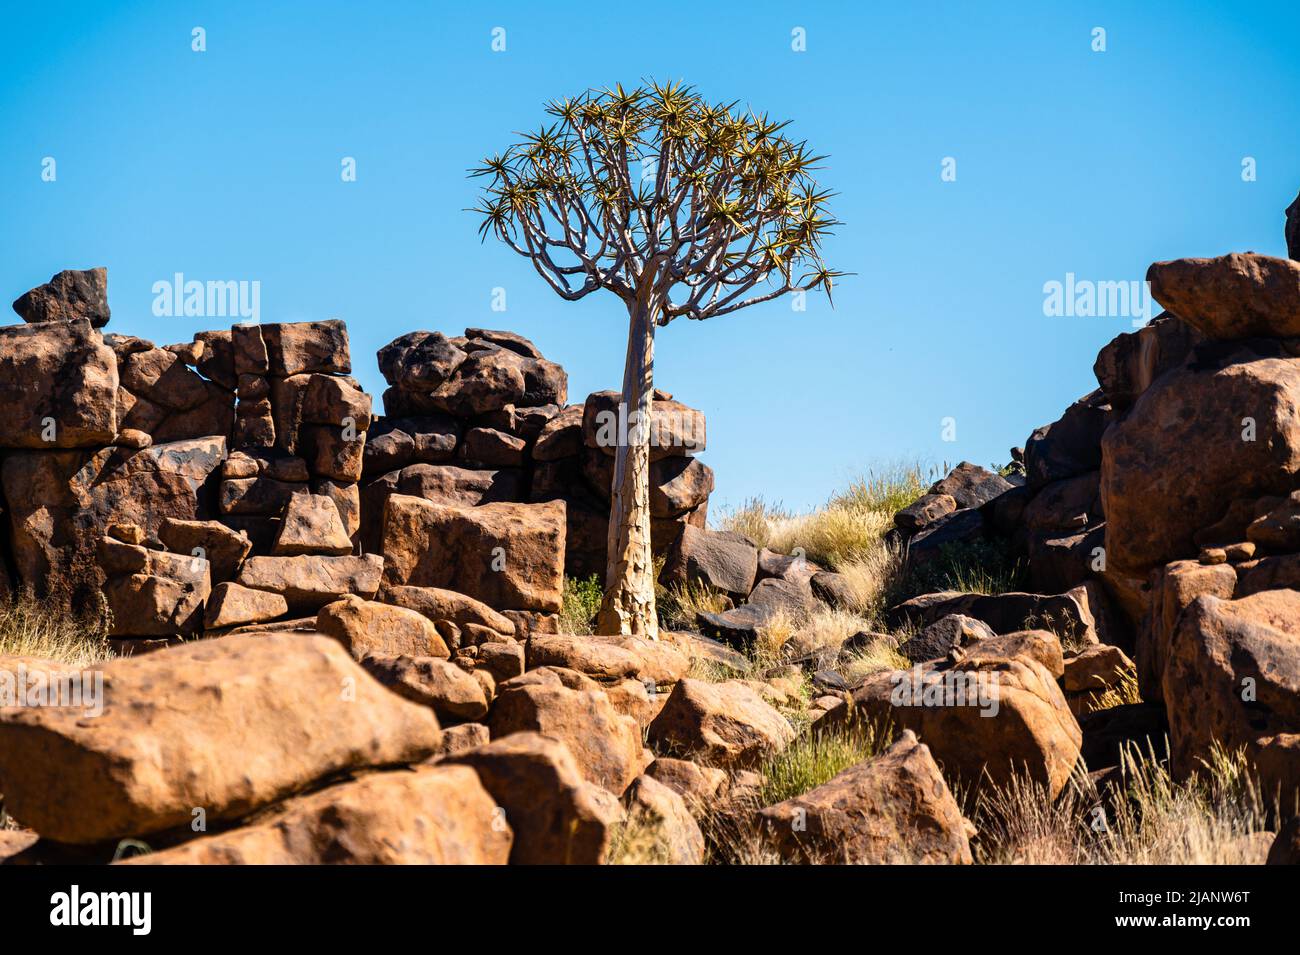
[{"x": 226, "y": 165}]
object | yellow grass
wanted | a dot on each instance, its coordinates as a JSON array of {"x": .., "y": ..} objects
[{"x": 30, "y": 627}]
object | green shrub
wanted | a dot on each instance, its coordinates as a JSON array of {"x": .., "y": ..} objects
[{"x": 581, "y": 604}]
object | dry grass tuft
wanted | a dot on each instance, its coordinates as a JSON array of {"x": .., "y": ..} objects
[
  {"x": 850, "y": 527},
  {"x": 1213, "y": 818},
  {"x": 30, "y": 627}
]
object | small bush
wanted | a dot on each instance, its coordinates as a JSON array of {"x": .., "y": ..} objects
[
  {"x": 817, "y": 756},
  {"x": 981, "y": 566},
  {"x": 581, "y": 604}
]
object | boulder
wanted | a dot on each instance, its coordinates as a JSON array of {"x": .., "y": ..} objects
[
  {"x": 1004, "y": 613},
  {"x": 722, "y": 560},
  {"x": 610, "y": 658},
  {"x": 1232, "y": 296},
  {"x": 675, "y": 429},
  {"x": 970, "y": 485},
  {"x": 506, "y": 555},
  {"x": 771, "y": 598},
  {"x": 232, "y": 606},
  {"x": 1198, "y": 437},
  {"x": 366, "y": 627},
  {"x": 311, "y": 525},
  {"x": 294, "y": 348},
  {"x": 561, "y": 436},
  {"x": 231, "y": 725},
  {"x": 508, "y": 340},
  {"x": 486, "y": 381},
  {"x": 1233, "y": 674},
  {"x": 311, "y": 582},
  {"x": 893, "y": 809},
  {"x": 980, "y": 716},
  {"x": 1278, "y": 529},
  {"x": 1132, "y": 360},
  {"x": 1096, "y": 668},
  {"x": 261, "y": 495},
  {"x": 1173, "y": 587},
  {"x": 946, "y": 634},
  {"x": 700, "y": 786},
  {"x": 427, "y": 815},
  {"x": 420, "y": 360},
  {"x": 1069, "y": 446},
  {"x": 489, "y": 448},
  {"x": 833, "y": 589},
  {"x": 1293, "y": 229},
  {"x": 223, "y": 548},
  {"x": 70, "y": 296},
  {"x": 451, "y": 692},
  {"x": 924, "y": 511},
  {"x": 556, "y": 816},
  {"x": 727, "y": 724},
  {"x": 152, "y": 593},
  {"x": 678, "y": 840},
  {"x": 58, "y": 386},
  {"x": 962, "y": 526},
  {"x": 441, "y": 605},
  {"x": 564, "y": 705},
  {"x": 1286, "y": 846},
  {"x": 678, "y": 485}
]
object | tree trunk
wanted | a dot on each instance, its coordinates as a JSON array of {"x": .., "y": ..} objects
[{"x": 629, "y": 603}]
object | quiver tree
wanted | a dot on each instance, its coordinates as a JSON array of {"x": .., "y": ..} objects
[{"x": 681, "y": 209}]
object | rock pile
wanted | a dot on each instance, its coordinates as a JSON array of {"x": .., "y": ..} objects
[
  {"x": 383, "y": 678},
  {"x": 481, "y": 418}
]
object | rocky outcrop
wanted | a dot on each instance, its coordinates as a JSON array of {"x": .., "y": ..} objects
[
  {"x": 229, "y": 725},
  {"x": 428, "y": 815},
  {"x": 889, "y": 810}
]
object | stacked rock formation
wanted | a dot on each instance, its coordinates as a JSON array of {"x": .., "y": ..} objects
[
  {"x": 482, "y": 419},
  {"x": 239, "y": 480}
]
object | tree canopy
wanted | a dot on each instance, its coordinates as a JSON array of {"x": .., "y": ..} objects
[{"x": 654, "y": 191}]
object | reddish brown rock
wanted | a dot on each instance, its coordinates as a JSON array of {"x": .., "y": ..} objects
[
  {"x": 677, "y": 836},
  {"x": 427, "y": 815},
  {"x": 71, "y": 295},
  {"x": 981, "y": 716},
  {"x": 674, "y": 429},
  {"x": 232, "y": 724},
  {"x": 506, "y": 555},
  {"x": 152, "y": 593},
  {"x": 893, "y": 809},
  {"x": 58, "y": 386},
  {"x": 557, "y": 818},
  {"x": 366, "y": 627},
  {"x": 723, "y": 560},
  {"x": 610, "y": 658},
  {"x": 232, "y": 606},
  {"x": 727, "y": 724},
  {"x": 569, "y": 707},
  {"x": 441, "y": 605},
  {"x": 294, "y": 348},
  {"x": 1232, "y": 296},
  {"x": 451, "y": 692},
  {"x": 312, "y": 582},
  {"x": 311, "y": 525},
  {"x": 1233, "y": 674}
]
